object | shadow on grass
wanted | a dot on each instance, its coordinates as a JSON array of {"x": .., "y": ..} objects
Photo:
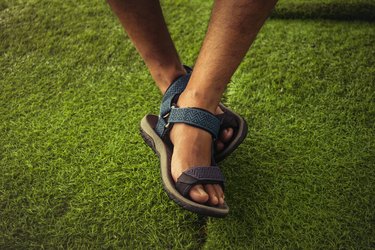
[
  {"x": 250, "y": 187},
  {"x": 331, "y": 11}
]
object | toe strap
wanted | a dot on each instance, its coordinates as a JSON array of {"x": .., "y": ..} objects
[{"x": 199, "y": 175}]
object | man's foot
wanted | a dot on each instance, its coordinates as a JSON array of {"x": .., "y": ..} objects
[
  {"x": 192, "y": 148},
  {"x": 225, "y": 135}
]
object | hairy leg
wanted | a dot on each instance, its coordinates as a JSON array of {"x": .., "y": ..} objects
[
  {"x": 232, "y": 28},
  {"x": 144, "y": 23}
]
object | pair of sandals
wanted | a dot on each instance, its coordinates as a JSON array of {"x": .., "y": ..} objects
[{"x": 155, "y": 132}]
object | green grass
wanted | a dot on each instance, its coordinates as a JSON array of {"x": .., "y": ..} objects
[
  {"x": 326, "y": 9},
  {"x": 76, "y": 174}
]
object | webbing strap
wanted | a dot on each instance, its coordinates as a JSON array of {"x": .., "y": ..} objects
[
  {"x": 197, "y": 118},
  {"x": 199, "y": 175}
]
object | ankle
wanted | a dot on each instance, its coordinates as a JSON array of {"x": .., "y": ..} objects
[{"x": 198, "y": 99}]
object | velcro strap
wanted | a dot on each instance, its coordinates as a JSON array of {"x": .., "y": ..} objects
[
  {"x": 196, "y": 117},
  {"x": 199, "y": 175}
]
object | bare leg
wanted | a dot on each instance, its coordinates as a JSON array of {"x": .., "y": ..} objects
[
  {"x": 232, "y": 28},
  {"x": 144, "y": 22}
]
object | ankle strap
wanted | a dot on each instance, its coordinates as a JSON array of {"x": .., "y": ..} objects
[
  {"x": 196, "y": 117},
  {"x": 178, "y": 85},
  {"x": 192, "y": 116}
]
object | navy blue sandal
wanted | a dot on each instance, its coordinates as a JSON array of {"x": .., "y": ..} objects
[
  {"x": 155, "y": 132},
  {"x": 228, "y": 119}
]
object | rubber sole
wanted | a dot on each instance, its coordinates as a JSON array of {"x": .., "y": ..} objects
[{"x": 164, "y": 153}]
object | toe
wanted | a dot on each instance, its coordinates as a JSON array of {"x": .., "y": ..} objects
[
  {"x": 213, "y": 197},
  {"x": 198, "y": 194},
  {"x": 226, "y": 134},
  {"x": 219, "y": 193}
]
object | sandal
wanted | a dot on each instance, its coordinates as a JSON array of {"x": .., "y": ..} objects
[
  {"x": 229, "y": 119},
  {"x": 155, "y": 132}
]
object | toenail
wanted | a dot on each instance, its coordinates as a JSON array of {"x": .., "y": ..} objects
[{"x": 201, "y": 191}]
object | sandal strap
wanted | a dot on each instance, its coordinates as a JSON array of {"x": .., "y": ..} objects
[
  {"x": 176, "y": 88},
  {"x": 199, "y": 175},
  {"x": 178, "y": 85},
  {"x": 170, "y": 97},
  {"x": 196, "y": 117}
]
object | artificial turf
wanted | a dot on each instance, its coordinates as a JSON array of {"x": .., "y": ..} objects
[{"x": 76, "y": 174}]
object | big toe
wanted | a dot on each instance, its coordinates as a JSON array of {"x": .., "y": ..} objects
[{"x": 198, "y": 194}]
